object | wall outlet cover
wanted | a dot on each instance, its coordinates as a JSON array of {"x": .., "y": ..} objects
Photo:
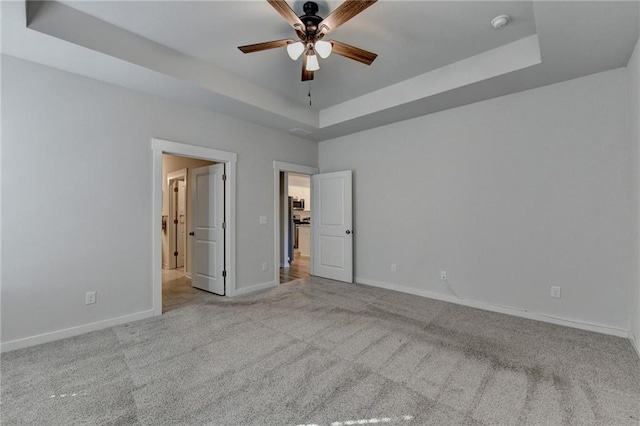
[{"x": 556, "y": 292}]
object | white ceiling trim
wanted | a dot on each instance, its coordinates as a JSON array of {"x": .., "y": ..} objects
[
  {"x": 73, "y": 26},
  {"x": 572, "y": 39},
  {"x": 66, "y": 23},
  {"x": 511, "y": 57}
]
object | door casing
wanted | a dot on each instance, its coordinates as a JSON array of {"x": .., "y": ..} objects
[
  {"x": 159, "y": 147},
  {"x": 279, "y": 166}
]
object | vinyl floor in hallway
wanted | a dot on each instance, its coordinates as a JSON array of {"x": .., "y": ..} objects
[
  {"x": 177, "y": 290},
  {"x": 299, "y": 268}
]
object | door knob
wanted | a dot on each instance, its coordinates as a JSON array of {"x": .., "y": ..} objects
[
  {"x": 348, "y": 232},
  {"x": 192, "y": 233}
]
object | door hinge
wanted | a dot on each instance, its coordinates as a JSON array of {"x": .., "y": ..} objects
[
  {"x": 224, "y": 177},
  {"x": 175, "y": 189},
  {"x": 224, "y": 273},
  {"x": 175, "y": 253},
  {"x": 224, "y": 225}
]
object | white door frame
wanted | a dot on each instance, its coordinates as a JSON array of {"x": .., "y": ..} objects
[
  {"x": 279, "y": 166},
  {"x": 159, "y": 147},
  {"x": 284, "y": 248},
  {"x": 177, "y": 175}
]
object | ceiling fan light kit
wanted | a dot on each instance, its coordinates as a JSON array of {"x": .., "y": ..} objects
[
  {"x": 295, "y": 49},
  {"x": 311, "y": 29},
  {"x": 323, "y": 48},
  {"x": 312, "y": 62}
]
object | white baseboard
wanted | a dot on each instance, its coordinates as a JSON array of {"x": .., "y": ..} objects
[
  {"x": 635, "y": 344},
  {"x": 257, "y": 287},
  {"x": 496, "y": 308},
  {"x": 187, "y": 274},
  {"x": 73, "y": 331}
]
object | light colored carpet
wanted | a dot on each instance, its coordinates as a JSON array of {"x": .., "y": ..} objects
[{"x": 325, "y": 353}]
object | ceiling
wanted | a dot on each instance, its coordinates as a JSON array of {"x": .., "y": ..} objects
[
  {"x": 433, "y": 55},
  {"x": 299, "y": 180},
  {"x": 407, "y": 39}
]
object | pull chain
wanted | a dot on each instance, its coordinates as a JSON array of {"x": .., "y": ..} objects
[{"x": 309, "y": 93}]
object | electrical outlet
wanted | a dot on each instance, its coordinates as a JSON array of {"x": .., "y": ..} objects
[
  {"x": 443, "y": 275},
  {"x": 556, "y": 292},
  {"x": 263, "y": 220},
  {"x": 90, "y": 298},
  {"x": 264, "y": 266},
  {"x": 394, "y": 267}
]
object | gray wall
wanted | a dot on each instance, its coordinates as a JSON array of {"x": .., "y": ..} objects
[
  {"x": 510, "y": 196},
  {"x": 76, "y": 194},
  {"x": 633, "y": 70}
]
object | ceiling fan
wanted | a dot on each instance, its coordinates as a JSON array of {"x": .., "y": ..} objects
[{"x": 311, "y": 29}]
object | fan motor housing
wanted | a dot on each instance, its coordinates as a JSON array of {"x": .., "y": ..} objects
[{"x": 310, "y": 19}]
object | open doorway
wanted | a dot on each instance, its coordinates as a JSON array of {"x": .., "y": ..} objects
[
  {"x": 178, "y": 218},
  {"x": 175, "y": 223},
  {"x": 331, "y": 221},
  {"x": 294, "y": 211},
  {"x": 217, "y": 263},
  {"x": 296, "y": 217}
]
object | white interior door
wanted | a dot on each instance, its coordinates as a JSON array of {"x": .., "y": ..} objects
[
  {"x": 333, "y": 226},
  {"x": 182, "y": 223},
  {"x": 207, "y": 195}
]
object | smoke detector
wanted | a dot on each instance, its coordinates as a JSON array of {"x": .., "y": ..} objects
[{"x": 500, "y": 21}]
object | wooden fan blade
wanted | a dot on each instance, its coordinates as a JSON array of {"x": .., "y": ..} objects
[
  {"x": 250, "y": 48},
  {"x": 352, "y": 52},
  {"x": 343, "y": 13},
  {"x": 306, "y": 75},
  {"x": 287, "y": 13}
]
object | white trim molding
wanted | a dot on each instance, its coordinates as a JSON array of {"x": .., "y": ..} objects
[
  {"x": 161, "y": 146},
  {"x": 279, "y": 166},
  {"x": 635, "y": 344},
  {"x": 257, "y": 287},
  {"x": 73, "y": 331},
  {"x": 182, "y": 173},
  {"x": 294, "y": 168},
  {"x": 496, "y": 308}
]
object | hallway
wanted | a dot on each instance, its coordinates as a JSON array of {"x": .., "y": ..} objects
[
  {"x": 300, "y": 268},
  {"x": 177, "y": 291}
]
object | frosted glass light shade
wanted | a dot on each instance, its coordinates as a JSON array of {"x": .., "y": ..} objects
[
  {"x": 295, "y": 49},
  {"x": 323, "y": 48},
  {"x": 312, "y": 63}
]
